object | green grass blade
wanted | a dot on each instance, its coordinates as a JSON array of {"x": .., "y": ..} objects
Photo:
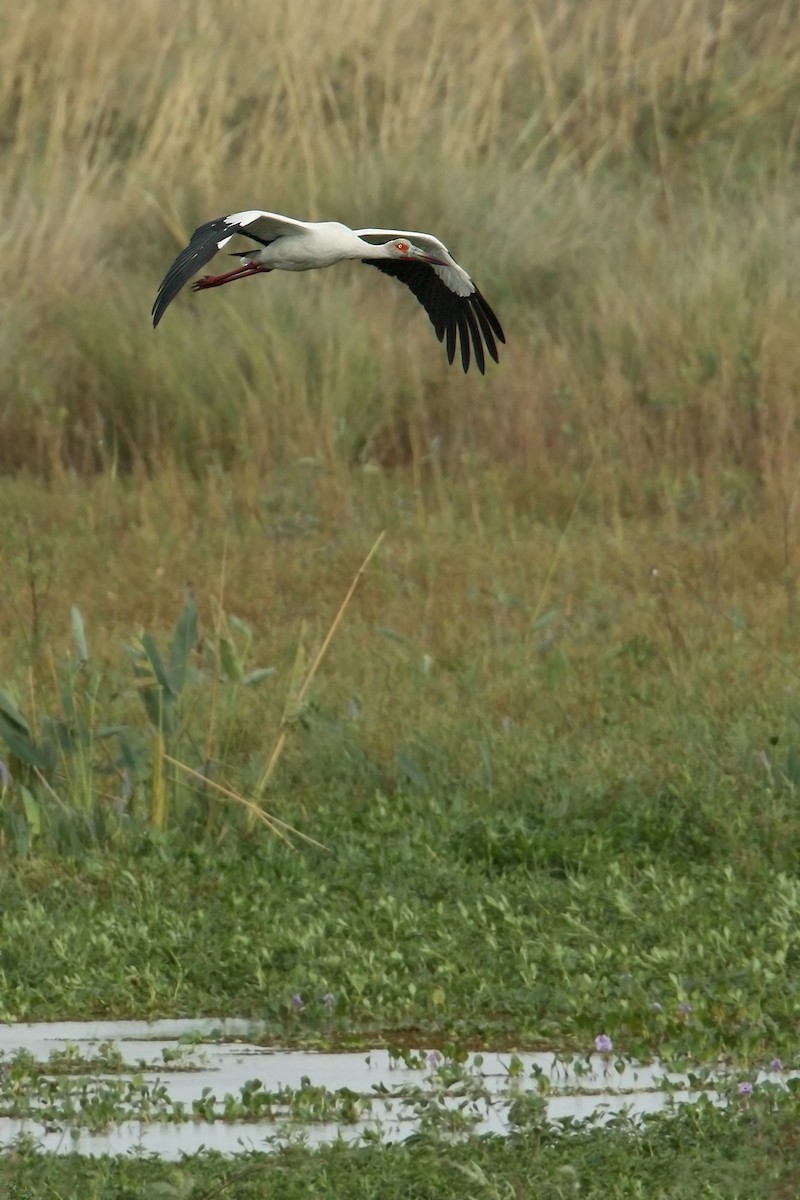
[
  {"x": 184, "y": 640},
  {"x": 79, "y": 634},
  {"x": 32, "y": 811},
  {"x": 152, "y": 683},
  {"x": 11, "y": 715}
]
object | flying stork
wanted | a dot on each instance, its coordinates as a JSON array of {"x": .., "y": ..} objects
[{"x": 420, "y": 261}]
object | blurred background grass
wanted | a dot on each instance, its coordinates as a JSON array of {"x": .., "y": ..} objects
[{"x": 621, "y": 180}]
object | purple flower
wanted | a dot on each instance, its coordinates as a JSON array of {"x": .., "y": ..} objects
[
  {"x": 297, "y": 1002},
  {"x": 603, "y": 1044},
  {"x": 684, "y": 1006},
  {"x": 434, "y": 1059},
  {"x": 776, "y": 1064},
  {"x": 5, "y": 775},
  {"x": 327, "y": 999},
  {"x": 745, "y": 1088}
]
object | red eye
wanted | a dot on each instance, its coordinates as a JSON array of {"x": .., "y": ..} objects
[{"x": 402, "y": 247}]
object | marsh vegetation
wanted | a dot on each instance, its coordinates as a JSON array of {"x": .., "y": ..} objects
[{"x": 552, "y": 754}]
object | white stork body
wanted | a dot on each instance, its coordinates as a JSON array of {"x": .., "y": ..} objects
[{"x": 419, "y": 260}]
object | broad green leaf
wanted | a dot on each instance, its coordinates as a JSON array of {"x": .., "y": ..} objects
[
  {"x": 11, "y": 713},
  {"x": 229, "y": 657},
  {"x": 184, "y": 640},
  {"x": 153, "y": 657},
  {"x": 32, "y": 813},
  {"x": 68, "y": 701},
  {"x": 79, "y": 634},
  {"x": 24, "y": 749},
  {"x": 257, "y": 675},
  {"x": 152, "y": 683},
  {"x": 240, "y": 626}
]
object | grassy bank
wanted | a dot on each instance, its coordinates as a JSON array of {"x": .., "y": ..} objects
[
  {"x": 555, "y": 790},
  {"x": 638, "y": 673},
  {"x": 425, "y": 919}
]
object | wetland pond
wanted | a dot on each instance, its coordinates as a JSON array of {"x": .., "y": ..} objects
[{"x": 171, "y": 1088}]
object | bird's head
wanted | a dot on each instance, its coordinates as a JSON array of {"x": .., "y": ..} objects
[{"x": 403, "y": 249}]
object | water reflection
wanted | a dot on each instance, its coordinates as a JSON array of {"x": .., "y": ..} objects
[{"x": 392, "y": 1095}]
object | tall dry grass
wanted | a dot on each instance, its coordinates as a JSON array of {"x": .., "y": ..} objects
[{"x": 621, "y": 180}]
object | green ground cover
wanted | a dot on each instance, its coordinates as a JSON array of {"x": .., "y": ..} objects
[
  {"x": 552, "y": 755},
  {"x": 530, "y": 829},
  {"x": 701, "y": 1152}
]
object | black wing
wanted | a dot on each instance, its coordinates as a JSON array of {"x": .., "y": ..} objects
[
  {"x": 465, "y": 316},
  {"x": 203, "y": 245}
]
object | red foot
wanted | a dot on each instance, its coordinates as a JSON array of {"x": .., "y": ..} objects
[{"x": 210, "y": 281}]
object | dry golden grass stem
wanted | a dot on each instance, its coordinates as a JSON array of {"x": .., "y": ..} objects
[
  {"x": 273, "y": 823},
  {"x": 297, "y": 701},
  {"x": 254, "y": 810}
]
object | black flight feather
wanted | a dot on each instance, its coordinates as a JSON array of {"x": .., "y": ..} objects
[
  {"x": 451, "y": 315},
  {"x": 203, "y": 245}
]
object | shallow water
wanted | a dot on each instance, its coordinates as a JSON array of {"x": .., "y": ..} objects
[{"x": 576, "y": 1089}]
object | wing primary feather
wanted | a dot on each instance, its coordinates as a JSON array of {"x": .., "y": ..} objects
[
  {"x": 203, "y": 245},
  {"x": 465, "y": 322},
  {"x": 433, "y": 306},
  {"x": 451, "y": 339},
  {"x": 486, "y": 330},
  {"x": 463, "y": 335},
  {"x": 490, "y": 317},
  {"x": 437, "y": 311},
  {"x": 477, "y": 344}
]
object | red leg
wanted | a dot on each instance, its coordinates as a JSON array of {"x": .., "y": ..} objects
[{"x": 209, "y": 281}]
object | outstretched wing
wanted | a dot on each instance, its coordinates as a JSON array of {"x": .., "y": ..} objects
[
  {"x": 456, "y": 308},
  {"x": 208, "y": 239}
]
